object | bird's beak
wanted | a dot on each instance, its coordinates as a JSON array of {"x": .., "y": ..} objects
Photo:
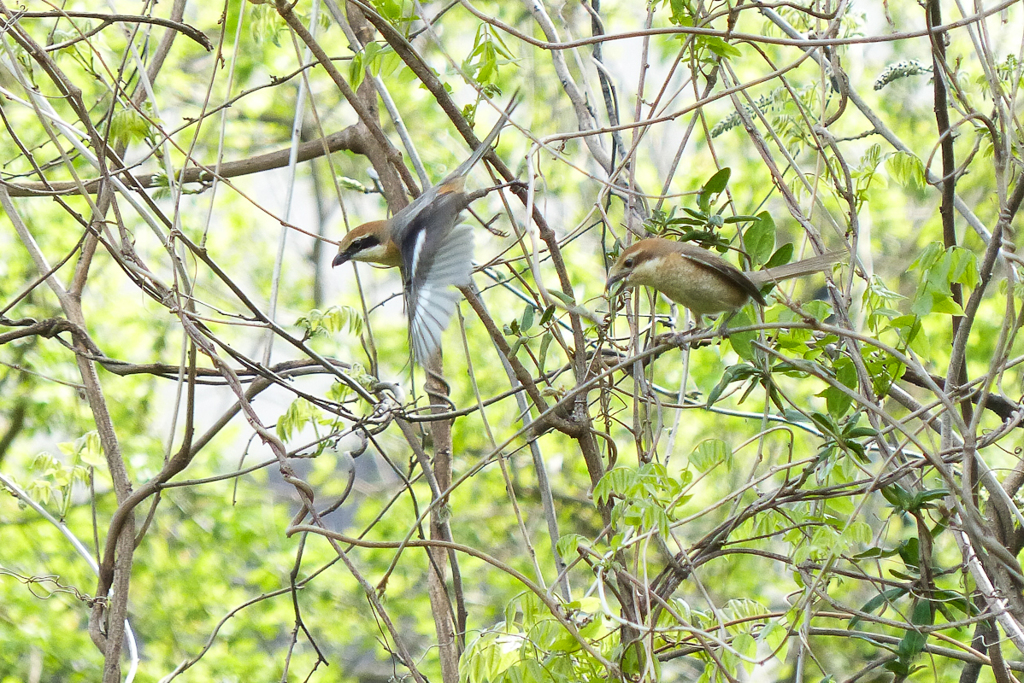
[
  {"x": 341, "y": 258},
  {"x": 614, "y": 279}
]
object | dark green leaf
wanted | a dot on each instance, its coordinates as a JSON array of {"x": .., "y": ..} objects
[
  {"x": 549, "y": 312},
  {"x": 781, "y": 257},
  {"x": 739, "y": 219},
  {"x": 734, "y": 373},
  {"x": 759, "y": 239},
  {"x": 742, "y": 342},
  {"x": 716, "y": 184},
  {"x": 881, "y": 600}
]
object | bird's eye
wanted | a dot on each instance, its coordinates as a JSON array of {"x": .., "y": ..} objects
[{"x": 628, "y": 262}]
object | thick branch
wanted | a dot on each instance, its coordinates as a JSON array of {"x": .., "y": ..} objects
[{"x": 349, "y": 140}]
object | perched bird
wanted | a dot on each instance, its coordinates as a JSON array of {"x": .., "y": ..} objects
[
  {"x": 433, "y": 252},
  {"x": 699, "y": 280}
]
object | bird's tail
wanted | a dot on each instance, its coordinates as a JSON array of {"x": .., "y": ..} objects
[
  {"x": 808, "y": 266},
  {"x": 485, "y": 145}
]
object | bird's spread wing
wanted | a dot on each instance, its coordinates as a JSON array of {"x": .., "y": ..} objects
[{"x": 437, "y": 255}]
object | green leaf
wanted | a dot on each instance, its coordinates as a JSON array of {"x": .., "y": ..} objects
[
  {"x": 562, "y": 296},
  {"x": 334, "y": 319},
  {"x": 485, "y": 59},
  {"x": 709, "y": 454},
  {"x": 943, "y": 303},
  {"x": 542, "y": 356},
  {"x": 775, "y": 635},
  {"x": 527, "y": 319},
  {"x": 734, "y": 373},
  {"x": 91, "y": 452},
  {"x": 837, "y": 401},
  {"x": 300, "y": 413},
  {"x": 740, "y": 218},
  {"x": 896, "y": 495},
  {"x": 616, "y": 481},
  {"x": 339, "y": 392},
  {"x": 742, "y": 342},
  {"x": 949, "y": 601},
  {"x": 356, "y": 71},
  {"x": 567, "y": 544},
  {"x": 716, "y": 184},
  {"x": 913, "y": 641},
  {"x": 875, "y": 553},
  {"x": 128, "y": 126},
  {"x": 923, "y": 499},
  {"x": 682, "y": 13},
  {"x": 389, "y": 9},
  {"x": 632, "y": 660},
  {"x": 881, "y": 600},
  {"x": 721, "y": 48},
  {"x": 759, "y": 239},
  {"x": 910, "y": 552},
  {"x": 963, "y": 267},
  {"x": 907, "y": 170},
  {"x": 781, "y": 257}
]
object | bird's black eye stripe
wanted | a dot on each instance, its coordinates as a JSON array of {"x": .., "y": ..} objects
[{"x": 365, "y": 242}]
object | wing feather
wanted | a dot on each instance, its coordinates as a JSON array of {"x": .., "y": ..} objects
[
  {"x": 715, "y": 263},
  {"x": 442, "y": 262}
]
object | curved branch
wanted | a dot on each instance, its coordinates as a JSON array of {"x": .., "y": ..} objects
[{"x": 108, "y": 19}]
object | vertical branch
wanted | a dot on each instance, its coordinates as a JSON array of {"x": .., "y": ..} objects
[
  {"x": 940, "y": 106},
  {"x": 106, "y": 622},
  {"x": 450, "y": 639}
]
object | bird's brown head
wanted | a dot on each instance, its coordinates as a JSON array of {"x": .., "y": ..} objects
[
  {"x": 638, "y": 263},
  {"x": 370, "y": 243}
]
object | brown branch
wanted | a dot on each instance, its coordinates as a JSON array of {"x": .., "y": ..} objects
[
  {"x": 29, "y": 328},
  {"x": 349, "y": 140},
  {"x": 1000, "y": 405},
  {"x": 386, "y": 160},
  {"x": 193, "y": 33}
]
